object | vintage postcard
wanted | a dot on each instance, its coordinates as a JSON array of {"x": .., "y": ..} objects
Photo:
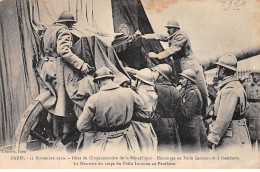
[{"x": 129, "y": 84}]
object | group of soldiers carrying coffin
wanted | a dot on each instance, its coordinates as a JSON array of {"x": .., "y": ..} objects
[{"x": 152, "y": 114}]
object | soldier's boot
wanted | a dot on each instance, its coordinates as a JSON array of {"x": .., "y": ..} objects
[
  {"x": 49, "y": 126},
  {"x": 69, "y": 130},
  {"x": 253, "y": 144},
  {"x": 57, "y": 126}
]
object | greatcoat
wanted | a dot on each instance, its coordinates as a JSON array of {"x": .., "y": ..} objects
[
  {"x": 60, "y": 71},
  {"x": 111, "y": 108},
  {"x": 229, "y": 129}
]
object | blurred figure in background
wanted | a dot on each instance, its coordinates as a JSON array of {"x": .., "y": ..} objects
[{"x": 253, "y": 108}]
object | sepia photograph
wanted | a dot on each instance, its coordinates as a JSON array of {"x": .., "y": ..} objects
[{"x": 130, "y": 84}]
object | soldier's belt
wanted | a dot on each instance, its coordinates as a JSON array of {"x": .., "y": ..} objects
[
  {"x": 50, "y": 54},
  {"x": 112, "y": 129},
  {"x": 238, "y": 117},
  {"x": 253, "y": 100},
  {"x": 49, "y": 58},
  {"x": 144, "y": 120}
]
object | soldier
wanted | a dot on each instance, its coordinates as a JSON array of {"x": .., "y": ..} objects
[
  {"x": 191, "y": 128},
  {"x": 253, "y": 108},
  {"x": 229, "y": 128},
  {"x": 108, "y": 114},
  {"x": 180, "y": 55},
  {"x": 168, "y": 106},
  {"x": 141, "y": 120},
  {"x": 60, "y": 66}
]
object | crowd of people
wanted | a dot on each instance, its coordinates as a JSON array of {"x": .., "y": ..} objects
[{"x": 164, "y": 107}]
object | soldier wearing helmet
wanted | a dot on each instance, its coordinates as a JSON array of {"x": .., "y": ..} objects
[
  {"x": 253, "y": 108},
  {"x": 191, "y": 127},
  {"x": 107, "y": 114},
  {"x": 168, "y": 106},
  {"x": 229, "y": 126},
  {"x": 60, "y": 65},
  {"x": 180, "y": 55},
  {"x": 141, "y": 120}
]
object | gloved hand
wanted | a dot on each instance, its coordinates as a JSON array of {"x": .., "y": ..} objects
[
  {"x": 210, "y": 144},
  {"x": 153, "y": 55},
  {"x": 85, "y": 69}
]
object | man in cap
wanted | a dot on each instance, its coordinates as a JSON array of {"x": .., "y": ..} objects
[
  {"x": 108, "y": 114},
  {"x": 168, "y": 106},
  {"x": 229, "y": 128},
  {"x": 191, "y": 127},
  {"x": 141, "y": 120},
  {"x": 180, "y": 55},
  {"x": 59, "y": 71},
  {"x": 253, "y": 108}
]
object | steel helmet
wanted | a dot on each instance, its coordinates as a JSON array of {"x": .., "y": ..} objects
[
  {"x": 228, "y": 61},
  {"x": 146, "y": 76},
  {"x": 189, "y": 74},
  {"x": 103, "y": 72},
  {"x": 173, "y": 23},
  {"x": 165, "y": 70},
  {"x": 66, "y": 16}
]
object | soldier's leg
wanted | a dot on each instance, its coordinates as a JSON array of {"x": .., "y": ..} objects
[
  {"x": 203, "y": 137},
  {"x": 57, "y": 126},
  {"x": 48, "y": 122},
  {"x": 258, "y": 144},
  {"x": 253, "y": 143},
  {"x": 176, "y": 69},
  {"x": 69, "y": 130}
]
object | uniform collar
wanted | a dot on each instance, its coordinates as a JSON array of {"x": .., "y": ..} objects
[
  {"x": 109, "y": 86},
  {"x": 227, "y": 80}
]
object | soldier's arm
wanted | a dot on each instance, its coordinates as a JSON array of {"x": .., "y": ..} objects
[
  {"x": 175, "y": 47},
  {"x": 190, "y": 104},
  {"x": 64, "y": 44},
  {"x": 155, "y": 36},
  {"x": 138, "y": 102},
  {"x": 85, "y": 120},
  {"x": 226, "y": 110}
]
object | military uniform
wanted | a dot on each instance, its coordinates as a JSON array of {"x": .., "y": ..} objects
[
  {"x": 253, "y": 109},
  {"x": 229, "y": 128},
  {"x": 183, "y": 58},
  {"x": 191, "y": 128},
  {"x": 168, "y": 106},
  {"x": 141, "y": 120},
  {"x": 61, "y": 69},
  {"x": 105, "y": 120}
]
